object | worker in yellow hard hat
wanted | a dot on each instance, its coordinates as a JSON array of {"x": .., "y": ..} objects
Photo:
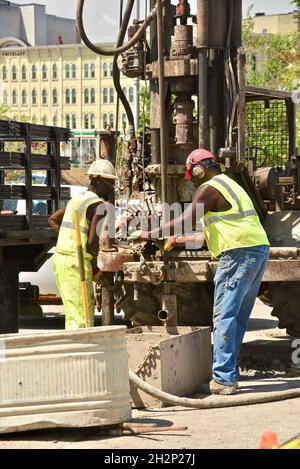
[{"x": 102, "y": 176}]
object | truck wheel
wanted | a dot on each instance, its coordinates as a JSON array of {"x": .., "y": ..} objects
[
  {"x": 284, "y": 297},
  {"x": 194, "y": 304}
]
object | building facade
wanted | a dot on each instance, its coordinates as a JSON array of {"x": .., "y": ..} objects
[
  {"x": 64, "y": 85},
  {"x": 272, "y": 24}
]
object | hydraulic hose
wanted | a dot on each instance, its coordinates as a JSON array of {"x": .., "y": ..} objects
[
  {"x": 118, "y": 50},
  {"x": 212, "y": 402}
]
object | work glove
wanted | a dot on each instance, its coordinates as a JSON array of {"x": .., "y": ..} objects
[
  {"x": 136, "y": 236},
  {"x": 169, "y": 243},
  {"x": 97, "y": 274}
]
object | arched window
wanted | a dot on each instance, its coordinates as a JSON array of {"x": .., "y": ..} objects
[
  {"x": 111, "y": 69},
  {"x": 93, "y": 96},
  {"x": 86, "y": 70},
  {"x": 104, "y": 120},
  {"x": 44, "y": 97},
  {"x": 105, "y": 96},
  {"x": 253, "y": 63},
  {"x": 124, "y": 121},
  {"x": 54, "y": 120},
  {"x": 54, "y": 72},
  {"x": 73, "y": 121},
  {"x": 24, "y": 72},
  {"x": 44, "y": 72},
  {"x": 68, "y": 96},
  {"x": 24, "y": 97},
  {"x": 111, "y": 95},
  {"x": 73, "y": 96},
  {"x": 4, "y": 73},
  {"x": 67, "y": 71},
  {"x": 68, "y": 121},
  {"x": 34, "y": 98},
  {"x": 131, "y": 95},
  {"x": 14, "y": 72},
  {"x": 105, "y": 70},
  {"x": 125, "y": 91},
  {"x": 111, "y": 120},
  {"x": 93, "y": 121},
  {"x": 54, "y": 97},
  {"x": 4, "y": 97},
  {"x": 33, "y": 72},
  {"x": 86, "y": 121},
  {"x": 14, "y": 97},
  {"x": 73, "y": 70},
  {"x": 86, "y": 96},
  {"x": 44, "y": 120},
  {"x": 93, "y": 71}
]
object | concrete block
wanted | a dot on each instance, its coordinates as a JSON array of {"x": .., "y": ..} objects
[{"x": 177, "y": 361}]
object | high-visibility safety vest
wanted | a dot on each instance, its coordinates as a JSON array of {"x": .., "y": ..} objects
[
  {"x": 66, "y": 243},
  {"x": 238, "y": 227}
]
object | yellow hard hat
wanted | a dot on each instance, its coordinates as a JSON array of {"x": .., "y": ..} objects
[{"x": 102, "y": 168}]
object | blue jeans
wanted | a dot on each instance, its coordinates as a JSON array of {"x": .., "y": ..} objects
[{"x": 237, "y": 283}]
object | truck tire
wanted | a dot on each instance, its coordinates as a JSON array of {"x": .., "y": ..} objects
[{"x": 284, "y": 297}]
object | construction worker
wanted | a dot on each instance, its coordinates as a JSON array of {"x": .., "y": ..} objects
[
  {"x": 234, "y": 236},
  {"x": 102, "y": 185}
]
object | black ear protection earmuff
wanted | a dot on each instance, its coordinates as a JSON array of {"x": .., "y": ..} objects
[{"x": 197, "y": 171}]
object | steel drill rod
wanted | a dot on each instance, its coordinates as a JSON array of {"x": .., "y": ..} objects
[{"x": 107, "y": 299}]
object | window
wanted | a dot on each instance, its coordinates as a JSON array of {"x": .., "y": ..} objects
[
  {"x": 86, "y": 121},
  {"x": 73, "y": 96},
  {"x": 54, "y": 97},
  {"x": 33, "y": 72},
  {"x": 93, "y": 96},
  {"x": 44, "y": 72},
  {"x": 105, "y": 70},
  {"x": 111, "y": 69},
  {"x": 54, "y": 72},
  {"x": 124, "y": 121},
  {"x": 34, "y": 97},
  {"x": 14, "y": 72},
  {"x": 111, "y": 120},
  {"x": 4, "y": 97},
  {"x": 86, "y": 96},
  {"x": 253, "y": 63},
  {"x": 54, "y": 120},
  {"x": 73, "y": 121},
  {"x": 73, "y": 71},
  {"x": 125, "y": 91},
  {"x": 104, "y": 120},
  {"x": 131, "y": 95},
  {"x": 111, "y": 95},
  {"x": 68, "y": 96},
  {"x": 93, "y": 121},
  {"x": 44, "y": 120},
  {"x": 67, "y": 71},
  {"x": 68, "y": 121},
  {"x": 44, "y": 97},
  {"x": 14, "y": 97},
  {"x": 24, "y": 98},
  {"x": 24, "y": 72},
  {"x": 105, "y": 96},
  {"x": 93, "y": 71},
  {"x": 4, "y": 73},
  {"x": 86, "y": 71}
]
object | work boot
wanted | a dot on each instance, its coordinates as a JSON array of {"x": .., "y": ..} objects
[{"x": 223, "y": 389}]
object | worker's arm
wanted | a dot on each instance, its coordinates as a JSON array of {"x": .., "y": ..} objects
[
  {"x": 56, "y": 219},
  {"x": 205, "y": 195}
]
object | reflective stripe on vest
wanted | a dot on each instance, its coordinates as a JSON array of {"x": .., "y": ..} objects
[{"x": 71, "y": 226}]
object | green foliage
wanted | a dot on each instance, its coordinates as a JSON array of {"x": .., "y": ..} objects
[
  {"x": 144, "y": 107},
  {"x": 3, "y": 112},
  {"x": 296, "y": 3}
]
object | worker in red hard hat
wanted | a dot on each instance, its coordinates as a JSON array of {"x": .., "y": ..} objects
[{"x": 236, "y": 238}]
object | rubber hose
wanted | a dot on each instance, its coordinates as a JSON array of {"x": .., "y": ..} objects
[
  {"x": 118, "y": 50},
  {"x": 212, "y": 402}
]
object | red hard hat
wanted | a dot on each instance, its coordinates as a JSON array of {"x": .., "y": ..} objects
[{"x": 196, "y": 157}]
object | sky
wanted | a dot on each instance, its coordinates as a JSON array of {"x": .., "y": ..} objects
[{"x": 101, "y": 16}]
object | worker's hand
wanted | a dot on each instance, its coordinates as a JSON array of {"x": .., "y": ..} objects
[
  {"x": 169, "y": 243},
  {"x": 97, "y": 274},
  {"x": 138, "y": 236}
]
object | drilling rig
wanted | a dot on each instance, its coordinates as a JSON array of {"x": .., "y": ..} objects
[{"x": 195, "y": 67}]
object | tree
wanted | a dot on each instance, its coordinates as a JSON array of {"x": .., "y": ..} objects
[
  {"x": 296, "y": 3},
  {"x": 3, "y": 112}
]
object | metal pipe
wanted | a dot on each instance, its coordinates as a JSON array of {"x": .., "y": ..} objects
[
  {"x": 118, "y": 50},
  {"x": 163, "y": 315},
  {"x": 241, "y": 104},
  {"x": 202, "y": 18},
  {"x": 161, "y": 83},
  {"x": 107, "y": 298}
]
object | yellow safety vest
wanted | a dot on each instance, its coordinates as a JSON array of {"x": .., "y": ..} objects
[
  {"x": 66, "y": 243},
  {"x": 238, "y": 227}
]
